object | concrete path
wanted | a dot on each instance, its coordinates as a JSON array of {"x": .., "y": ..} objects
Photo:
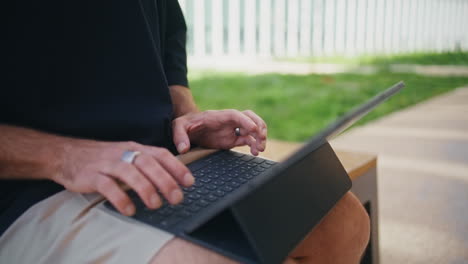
[
  {"x": 422, "y": 179},
  {"x": 263, "y": 66}
]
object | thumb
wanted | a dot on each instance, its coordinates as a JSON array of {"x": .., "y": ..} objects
[{"x": 180, "y": 136}]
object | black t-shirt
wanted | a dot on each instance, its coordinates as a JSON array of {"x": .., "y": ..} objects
[{"x": 89, "y": 69}]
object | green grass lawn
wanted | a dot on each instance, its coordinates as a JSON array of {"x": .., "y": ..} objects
[
  {"x": 295, "y": 106},
  {"x": 443, "y": 58}
]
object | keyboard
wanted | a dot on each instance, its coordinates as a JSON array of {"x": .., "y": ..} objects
[{"x": 216, "y": 176}]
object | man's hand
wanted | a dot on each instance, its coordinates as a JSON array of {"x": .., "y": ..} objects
[
  {"x": 91, "y": 166},
  {"x": 216, "y": 129}
]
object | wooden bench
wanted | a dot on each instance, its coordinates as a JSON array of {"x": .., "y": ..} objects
[{"x": 361, "y": 168}]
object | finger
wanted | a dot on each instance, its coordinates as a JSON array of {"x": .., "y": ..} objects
[
  {"x": 165, "y": 183},
  {"x": 250, "y": 141},
  {"x": 114, "y": 194},
  {"x": 180, "y": 136},
  {"x": 172, "y": 165},
  {"x": 261, "y": 136},
  {"x": 130, "y": 175},
  {"x": 258, "y": 121},
  {"x": 247, "y": 126}
]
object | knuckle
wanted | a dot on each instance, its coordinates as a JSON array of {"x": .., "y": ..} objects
[{"x": 122, "y": 169}]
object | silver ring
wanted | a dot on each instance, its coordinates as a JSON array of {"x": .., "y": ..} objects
[
  {"x": 237, "y": 131},
  {"x": 129, "y": 156}
]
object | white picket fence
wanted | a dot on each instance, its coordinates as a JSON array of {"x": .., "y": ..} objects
[{"x": 293, "y": 28}]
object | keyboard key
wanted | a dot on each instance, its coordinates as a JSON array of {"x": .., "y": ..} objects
[
  {"x": 219, "y": 193},
  {"x": 202, "y": 203},
  {"x": 218, "y": 182},
  {"x": 247, "y": 158},
  {"x": 193, "y": 208},
  {"x": 227, "y": 188},
  {"x": 197, "y": 184},
  {"x": 242, "y": 180},
  {"x": 202, "y": 191},
  {"x": 225, "y": 178},
  {"x": 270, "y": 162},
  {"x": 187, "y": 201},
  {"x": 211, "y": 198},
  {"x": 265, "y": 165},
  {"x": 205, "y": 180},
  {"x": 211, "y": 187},
  {"x": 188, "y": 189},
  {"x": 234, "y": 184},
  {"x": 213, "y": 175},
  {"x": 194, "y": 196},
  {"x": 197, "y": 165}
]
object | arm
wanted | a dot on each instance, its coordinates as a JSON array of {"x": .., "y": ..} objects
[
  {"x": 211, "y": 129},
  {"x": 85, "y": 166},
  {"x": 29, "y": 154},
  {"x": 182, "y": 100}
]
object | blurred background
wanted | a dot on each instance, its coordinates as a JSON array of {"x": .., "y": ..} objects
[{"x": 302, "y": 63}]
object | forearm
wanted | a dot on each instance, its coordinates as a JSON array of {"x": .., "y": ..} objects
[
  {"x": 182, "y": 99},
  {"x": 29, "y": 154}
]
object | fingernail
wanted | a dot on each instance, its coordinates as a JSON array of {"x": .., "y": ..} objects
[
  {"x": 130, "y": 210},
  {"x": 264, "y": 131},
  {"x": 188, "y": 179},
  {"x": 155, "y": 201},
  {"x": 176, "y": 196},
  {"x": 181, "y": 147}
]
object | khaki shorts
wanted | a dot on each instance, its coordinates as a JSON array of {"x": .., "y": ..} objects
[{"x": 53, "y": 231}]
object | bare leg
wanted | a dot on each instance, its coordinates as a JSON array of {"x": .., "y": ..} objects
[{"x": 341, "y": 237}]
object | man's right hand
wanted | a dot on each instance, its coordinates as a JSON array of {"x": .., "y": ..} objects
[{"x": 92, "y": 166}]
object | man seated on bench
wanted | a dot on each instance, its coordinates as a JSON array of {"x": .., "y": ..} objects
[{"x": 88, "y": 81}]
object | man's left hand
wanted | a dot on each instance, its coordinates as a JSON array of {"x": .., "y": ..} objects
[{"x": 216, "y": 129}]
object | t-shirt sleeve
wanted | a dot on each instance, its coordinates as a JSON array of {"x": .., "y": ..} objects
[{"x": 175, "y": 57}]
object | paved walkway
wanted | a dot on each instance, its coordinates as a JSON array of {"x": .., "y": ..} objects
[
  {"x": 423, "y": 179},
  {"x": 262, "y": 66}
]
